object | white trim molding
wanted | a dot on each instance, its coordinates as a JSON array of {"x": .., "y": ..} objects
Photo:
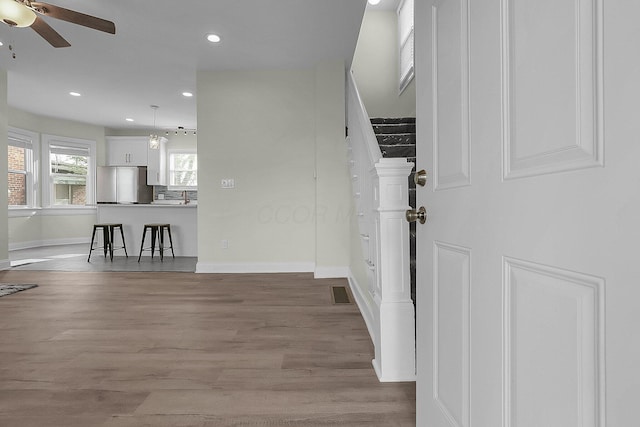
[
  {"x": 364, "y": 307},
  {"x": 255, "y": 267},
  {"x": 331, "y": 272},
  {"x": 86, "y": 147},
  {"x": 395, "y": 343},
  {"x": 49, "y": 242}
]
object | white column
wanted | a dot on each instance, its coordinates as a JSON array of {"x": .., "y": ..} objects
[{"x": 395, "y": 317}]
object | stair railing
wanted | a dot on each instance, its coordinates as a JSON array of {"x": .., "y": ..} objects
[{"x": 381, "y": 193}]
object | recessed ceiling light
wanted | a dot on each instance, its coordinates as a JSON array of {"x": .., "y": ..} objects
[
  {"x": 74, "y": 94},
  {"x": 1, "y": 44},
  {"x": 213, "y": 38},
  {"x": 129, "y": 119},
  {"x": 374, "y": 2},
  {"x": 187, "y": 94}
]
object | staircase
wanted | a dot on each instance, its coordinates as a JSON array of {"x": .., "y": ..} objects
[{"x": 397, "y": 138}]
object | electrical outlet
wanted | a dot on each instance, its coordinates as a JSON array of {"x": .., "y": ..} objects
[
  {"x": 227, "y": 183},
  {"x": 224, "y": 244}
]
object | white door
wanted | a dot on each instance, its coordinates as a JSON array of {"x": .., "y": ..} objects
[{"x": 528, "y": 297}]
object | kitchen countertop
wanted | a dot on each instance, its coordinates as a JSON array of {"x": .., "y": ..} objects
[{"x": 148, "y": 205}]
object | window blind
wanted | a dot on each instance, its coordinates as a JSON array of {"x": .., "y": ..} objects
[{"x": 69, "y": 150}]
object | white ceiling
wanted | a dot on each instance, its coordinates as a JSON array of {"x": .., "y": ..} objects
[{"x": 157, "y": 50}]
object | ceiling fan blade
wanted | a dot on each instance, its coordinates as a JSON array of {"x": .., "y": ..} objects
[
  {"x": 48, "y": 33},
  {"x": 74, "y": 17}
]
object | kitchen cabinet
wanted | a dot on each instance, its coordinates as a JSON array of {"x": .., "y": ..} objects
[
  {"x": 157, "y": 164},
  {"x": 127, "y": 150}
]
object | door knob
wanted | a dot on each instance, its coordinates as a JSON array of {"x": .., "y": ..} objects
[
  {"x": 419, "y": 215},
  {"x": 420, "y": 178}
]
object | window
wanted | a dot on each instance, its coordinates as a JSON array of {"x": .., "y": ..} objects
[
  {"x": 21, "y": 158},
  {"x": 183, "y": 169},
  {"x": 405, "y": 31},
  {"x": 69, "y": 165}
]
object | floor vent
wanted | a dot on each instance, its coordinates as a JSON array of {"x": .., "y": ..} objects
[{"x": 340, "y": 295}]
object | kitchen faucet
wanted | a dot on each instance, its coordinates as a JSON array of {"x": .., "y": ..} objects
[{"x": 185, "y": 197}]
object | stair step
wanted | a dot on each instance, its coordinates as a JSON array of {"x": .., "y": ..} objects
[
  {"x": 398, "y": 150},
  {"x": 395, "y": 138},
  {"x": 385, "y": 120},
  {"x": 379, "y": 129}
]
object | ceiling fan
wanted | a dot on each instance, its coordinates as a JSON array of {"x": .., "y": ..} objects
[{"x": 23, "y": 13}]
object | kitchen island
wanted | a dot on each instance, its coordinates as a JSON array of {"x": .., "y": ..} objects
[{"x": 182, "y": 218}]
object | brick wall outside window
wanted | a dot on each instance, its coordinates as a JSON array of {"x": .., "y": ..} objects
[{"x": 17, "y": 181}]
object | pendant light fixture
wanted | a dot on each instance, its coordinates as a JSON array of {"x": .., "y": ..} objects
[{"x": 154, "y": 140}]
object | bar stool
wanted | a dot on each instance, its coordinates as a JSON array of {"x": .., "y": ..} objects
[
  {"x": 157, "y": 233},
  {"x": 108, "y": 231}
]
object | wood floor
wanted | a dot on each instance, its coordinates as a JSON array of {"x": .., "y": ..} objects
[{"x": 181, "y": 349}]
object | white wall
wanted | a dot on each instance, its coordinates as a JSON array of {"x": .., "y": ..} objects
[
  {"x": 375, "y": 67},
  {"x": 333, "y": 185},
  {"x": 35, "y": 228},
  {"x": 260, "y": 128},
  {"x": 4, "y": 231}
]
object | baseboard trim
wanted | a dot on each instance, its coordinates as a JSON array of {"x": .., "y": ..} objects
[
  {"x": 5, "y": 264},
  {"x": 331, "y": 272},
  {"x": 49, "y": 242},
  {"x": 399, "y": 377},
  {"x": 361, "y": 302},
  {"x": 259, "y": 267}
]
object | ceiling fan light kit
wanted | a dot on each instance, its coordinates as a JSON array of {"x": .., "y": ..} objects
[
  {"x": 16, "y": 14},
  {"x": 23, "y": 13}
]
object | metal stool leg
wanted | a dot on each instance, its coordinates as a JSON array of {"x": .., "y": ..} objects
[
  {"x": 144, "y": 233},
  {"x": 93, "y": 237},
  {"x": 111, "y": 230},
  {"x": 105, "y": 240},
  {"x": 161, "y": 242},
  {"x": 171, "y": 240},
  {"x": 124, "y": 245},
  {"x": 154, "y": 230}
]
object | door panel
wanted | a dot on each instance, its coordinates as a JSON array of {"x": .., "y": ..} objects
[
  {"x": 554, "y": 126},
  {"x": 450, "y": 82},
  {"x": 553, "y": 334},
  {"x": 528, "y": 264},
  {"x": 451, "y": 331}
]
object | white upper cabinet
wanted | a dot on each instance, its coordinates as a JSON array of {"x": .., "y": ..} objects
[
  {"x": 127, "y": 150},
  {"x": 157, "y": 164}
]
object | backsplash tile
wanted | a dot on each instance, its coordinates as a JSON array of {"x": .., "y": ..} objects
[{"x": 173, "y": 194}]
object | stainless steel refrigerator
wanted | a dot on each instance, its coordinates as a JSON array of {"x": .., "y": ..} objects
[{"x": 117, "y": 184}]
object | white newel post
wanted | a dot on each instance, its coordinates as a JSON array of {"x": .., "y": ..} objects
[{"x": 395, "y": 317}]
